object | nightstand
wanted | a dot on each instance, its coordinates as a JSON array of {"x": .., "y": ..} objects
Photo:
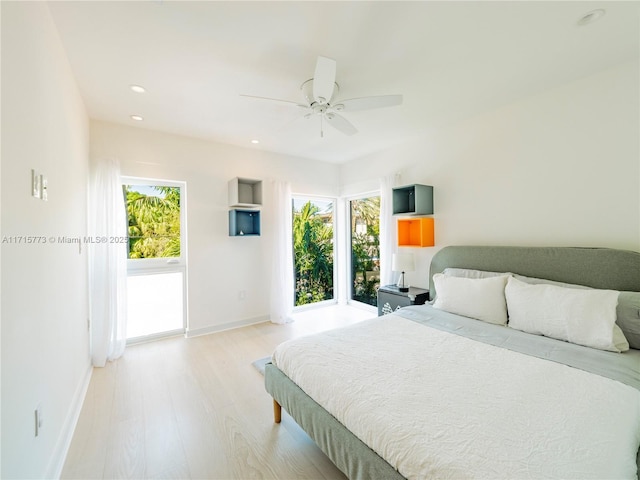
[{"x": 390, "y": 298}]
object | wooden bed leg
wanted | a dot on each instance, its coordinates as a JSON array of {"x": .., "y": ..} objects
[{"x": 277, "y": 412}]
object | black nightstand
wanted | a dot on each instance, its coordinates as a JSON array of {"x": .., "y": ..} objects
[{"x": 390, "y": 298}]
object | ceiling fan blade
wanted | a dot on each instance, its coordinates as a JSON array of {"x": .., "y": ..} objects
[
  {"x": 275, "y": 100},
  {"x": 340, "y": 123},
  {"x": 365, "y": 103},
  {"x": 324, "y": 79}
]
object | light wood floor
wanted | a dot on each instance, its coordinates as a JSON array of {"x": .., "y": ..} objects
[{"x": 196, "y": 408}]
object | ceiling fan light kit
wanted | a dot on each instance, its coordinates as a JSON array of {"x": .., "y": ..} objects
[{"x": 320, "y": 91}]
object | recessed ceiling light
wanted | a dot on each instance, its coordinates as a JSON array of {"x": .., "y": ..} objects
[
  {"x": 255, "y": 141},
  {"x": 590, "y": 17},
  {"x": 137, "y": 118},
  {"x": 137, "y": 88}
]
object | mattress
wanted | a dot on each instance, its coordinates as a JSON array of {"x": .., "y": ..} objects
[{"x": 442, "y": 396}]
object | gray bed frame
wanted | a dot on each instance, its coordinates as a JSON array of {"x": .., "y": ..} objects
[{"x": 594, "y": 267}]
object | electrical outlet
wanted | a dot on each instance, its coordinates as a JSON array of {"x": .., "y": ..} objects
[
  {"x": 242, "y": 295},
  {"x": 38, "y": 419}
]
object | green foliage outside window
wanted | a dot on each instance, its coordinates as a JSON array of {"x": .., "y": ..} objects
[
  {"x": 313, "y": 254},
  {"x": 313, "y": 251},
  {"x": 153, "y": 222},
  {"x": 365, "y": 249}
]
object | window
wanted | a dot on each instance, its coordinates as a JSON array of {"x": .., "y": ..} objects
[
  {"x": 313, "y": 250},
  {"x": 153, "y": 215},
  {"x": 365, "y": 249}
]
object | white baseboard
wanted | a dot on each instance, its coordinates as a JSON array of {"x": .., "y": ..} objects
[
  {"x": 227, "y": 326},
  {"x": 54, "y": 470}
]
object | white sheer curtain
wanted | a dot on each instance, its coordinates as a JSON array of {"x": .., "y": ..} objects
[
  {"x": 388, "y": 234},
  {"x": 107, "y": 262},
  {"x": 282, "y": 270}
]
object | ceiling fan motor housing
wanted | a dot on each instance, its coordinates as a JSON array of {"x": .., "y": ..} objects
[{"x": 307, "y": 91}]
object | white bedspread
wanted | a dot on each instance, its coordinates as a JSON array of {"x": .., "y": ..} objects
[{"x": 437, "y": 405}]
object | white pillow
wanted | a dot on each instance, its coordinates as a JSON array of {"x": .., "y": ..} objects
[
  {"x": 585, "y": 317},
  {"x": 471, "y": 273},
  {"x": 482, "y": 298}
]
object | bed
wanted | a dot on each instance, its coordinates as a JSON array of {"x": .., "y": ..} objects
[{"x": 434, "y": 392}]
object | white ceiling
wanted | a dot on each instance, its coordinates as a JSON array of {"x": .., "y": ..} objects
[{"x": 449, "y": 59}]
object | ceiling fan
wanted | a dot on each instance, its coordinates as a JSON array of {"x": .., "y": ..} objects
[{"x": 319, "y": 93}]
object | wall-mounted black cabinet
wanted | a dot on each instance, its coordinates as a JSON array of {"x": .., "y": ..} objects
[
  {"x": 244, "y": 223},
  {"x": 413, "y": 200}
]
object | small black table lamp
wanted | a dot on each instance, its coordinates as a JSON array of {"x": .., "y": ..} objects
[{"x": 402, "y": 262}]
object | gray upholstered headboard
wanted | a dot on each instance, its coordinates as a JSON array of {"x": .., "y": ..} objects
[{"x": 594, "y": 267}]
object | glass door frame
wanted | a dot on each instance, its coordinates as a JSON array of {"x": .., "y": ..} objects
[
  {"x": 348, "y": 244},
  {"x": 154, "y": 266},
  {"x": 334, "y": 300}
]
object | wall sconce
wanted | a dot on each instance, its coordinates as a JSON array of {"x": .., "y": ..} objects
[{"x": 402, "y": 262}]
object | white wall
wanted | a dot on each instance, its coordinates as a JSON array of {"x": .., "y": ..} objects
[
  {"x": 219, "y": 266},
  {"x": 560, "y": 168},
  {"x": 45, "y": 339}
]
